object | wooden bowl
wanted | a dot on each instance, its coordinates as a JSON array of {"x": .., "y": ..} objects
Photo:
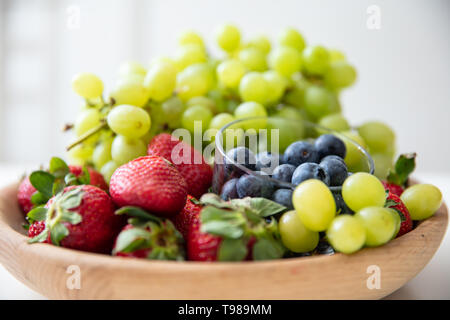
[{"x": 44, "y": 268}]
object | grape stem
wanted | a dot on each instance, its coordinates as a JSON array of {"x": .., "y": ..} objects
[{"x": 88, "y": 134}]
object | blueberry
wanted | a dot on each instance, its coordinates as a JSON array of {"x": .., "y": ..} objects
[
  {"x": 283, "y": 172},
  {"x": 328, "y": 144},
  {"x": 283, "y": 197},
  {"x": 332, "y": 157},
  {"x": 242, "y": 156},
  {"x": 341, "y": 206},
  {"x": 253, "y": 186},
  {"x": 324, "y": 248},
  {"x": 229, "y": 190},
  {"x": 309, "y": 170},
  {"x": 300, "y": 152},
  {"x": 336, "y": 170},
  {"x": 267, "y": 161}
]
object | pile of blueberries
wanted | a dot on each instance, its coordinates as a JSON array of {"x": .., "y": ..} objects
[{"x": 302, "y": 160}]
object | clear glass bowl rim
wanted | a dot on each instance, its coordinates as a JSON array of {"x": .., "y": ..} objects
[{"x": 219, "y": 148}]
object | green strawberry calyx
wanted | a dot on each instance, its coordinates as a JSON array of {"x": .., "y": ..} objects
[
  {"x": 403, "y": 167},
  {"x": 60, "y": 212},
  {"x": 150, "y": 232},
  {"x": 239, "y": 222},
  {"x": 392, "y": 204},
  {"x": 49, "y": 183}
]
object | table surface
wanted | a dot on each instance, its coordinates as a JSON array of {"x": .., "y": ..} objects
[{"x": 433, "y": 282}]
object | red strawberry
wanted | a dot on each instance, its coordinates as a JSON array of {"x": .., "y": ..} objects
[
  {"x": 188, "y": 216},
  {"x": 81, "y": 218},
  {"x": 393, "y": 188},
  {"x": 26, "y": 189},
  {"x": 189, "y": 161},
  {"x": 397, "y": 178},
  {"x": 36, "y": 228},
  {"x": 96, "y": 178},
  {"x": 394, "y": 202},
  {"x": 24, "y": 194},
  {"x": 148, "y": 237},
  {"x": 235, "y": 231},
  {"x": 150, "y": 182},
  {"x": 202, "y": 246}
]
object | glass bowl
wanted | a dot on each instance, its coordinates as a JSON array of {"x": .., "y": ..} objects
[{"x": 274, "y": 134}]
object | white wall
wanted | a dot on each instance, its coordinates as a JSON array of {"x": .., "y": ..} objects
[{"x": 404, "y": 68}]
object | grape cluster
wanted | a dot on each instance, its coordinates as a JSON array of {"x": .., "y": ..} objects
[{"x": 291, "y": 80}]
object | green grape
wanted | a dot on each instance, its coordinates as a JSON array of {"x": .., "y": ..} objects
[
  {"x": 335, "y": 121},
  {"x": 131, "y": 78},
  {"x": 132, "y": 68},
  {"x": 346, "y": 234},
  {"x": 316, "y": 60},
  {"x": 277, "y": 85},
  {"x": 336, "y": 55},
  {"x": 340, "y": 74},
  {"x": 379, "y": 223},
  {"x": 286, "y": 132},
  {"x": 130, "y": 92},
  {"x": 261, "y": 43},
  {"x": 296, "y": 95},
  {"x": 125, "y": 149},
  {"x": 161, "y": 80},
  {"x": 320, "y": 102},
  {"x": 202, "y": 101},
  {"x": 285, "y": 60},
  {"x": 190, "y": 37},
  {"x": 80, "y": 154},
  {"x": 314, "y": 204},
  {"x": 230, "y": 73},
  {"x": 289, "y": 113},
  {"x": 228, "y": 37},
  {"x": 251, "y": 109},
  {"x": 254, "y": 87},
  {"x": 398, "y": 222},
  {"x": 294, "y": 235},
  {"x": 129, "y": 121},
  {"x": 362, "y": 190},
  {"x": 172, "y": 109},
  {"x": 213, "y": 63},
  {"x": 108, "y": 169},
  {"x": 188, "y": 55},
  {"x": 102, "y": 153},
  {"x": 354, "y": 156},
  {"x": 422, "y": 200},
  {"x": 378, "y": 136},
  {"x": 383, "y": 163},
  {"x": 292, "y": 38},
  {"x": 195, "y": 114},
  {"x": 220, "y": 102},
  {"x": 253, "y": 59},
  {"x": 87, "y": 120},
  {"x": 87, "y": 85},
  {"x": 194, "y": 81},
  {"x": 219, "y": 121}
]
